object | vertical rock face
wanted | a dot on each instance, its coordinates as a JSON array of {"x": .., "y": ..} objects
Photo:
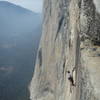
[{"x": 70, "y": 39}]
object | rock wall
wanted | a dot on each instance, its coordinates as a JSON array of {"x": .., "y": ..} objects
[{"x": 70, "y": 39}]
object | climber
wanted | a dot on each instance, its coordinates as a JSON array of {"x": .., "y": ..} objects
[{"x": 71, "y": 80}]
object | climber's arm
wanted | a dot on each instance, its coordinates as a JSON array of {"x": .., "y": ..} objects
[{"x": 73, "y": 69}]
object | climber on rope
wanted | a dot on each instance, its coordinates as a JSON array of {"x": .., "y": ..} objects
[{"x": 71, "y": 80}]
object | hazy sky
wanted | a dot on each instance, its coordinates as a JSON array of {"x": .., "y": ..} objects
[{"x": 34, "y": 5}]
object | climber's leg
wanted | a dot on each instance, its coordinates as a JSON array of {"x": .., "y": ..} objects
[
  {"x": 71, "y": 81},
  {"x": 73, "y": 84}
]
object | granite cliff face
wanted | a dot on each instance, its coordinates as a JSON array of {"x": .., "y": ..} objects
[{"x": 70, "y": 39}]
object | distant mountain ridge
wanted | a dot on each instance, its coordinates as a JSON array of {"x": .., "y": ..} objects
[
  {"x": 14, "y": 6},
  {"x": 15, "y": 19}
]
